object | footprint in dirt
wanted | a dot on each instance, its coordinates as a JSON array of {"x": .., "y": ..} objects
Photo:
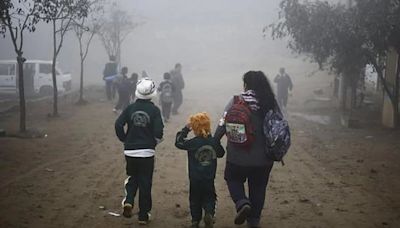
[{"x": 180, "y": 213}]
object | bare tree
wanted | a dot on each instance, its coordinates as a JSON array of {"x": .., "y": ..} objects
[
  {"x": 17, "y": 18},
  {"x": 61, "y": 14},
  {"x": 85, "y": 29},
  {"x": 116, "y": 27}
]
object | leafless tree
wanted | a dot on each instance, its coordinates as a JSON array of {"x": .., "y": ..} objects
[
  {"x": 85, "y": 28},
  {"x": 116, "y": 27},
  {"x": 61, "y": 14},
  {"x": 17, "y": 18}
]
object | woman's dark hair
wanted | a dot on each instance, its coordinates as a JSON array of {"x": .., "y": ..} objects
[{"x": 258, "y": 82}]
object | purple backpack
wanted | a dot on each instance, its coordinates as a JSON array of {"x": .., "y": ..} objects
[{"x": 277, "y": 133}]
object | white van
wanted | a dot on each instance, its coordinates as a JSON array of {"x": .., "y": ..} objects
[{"x": 37, "y": 78}]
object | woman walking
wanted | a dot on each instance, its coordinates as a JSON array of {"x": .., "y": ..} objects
[{"x": 246, "y": 159}]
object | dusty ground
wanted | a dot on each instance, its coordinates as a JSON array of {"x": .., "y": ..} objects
[{"x": 334, "y": 177}]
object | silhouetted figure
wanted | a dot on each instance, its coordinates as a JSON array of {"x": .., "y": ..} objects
[
  {"x": 179, "y": 85},
  {"x": 124, "y": 88},
  {"x": 166, "y": 90},
  {"x": 109, "y": 74},
  {"x": 284, "y": 84},
  {"x": 133, "y": 81}
]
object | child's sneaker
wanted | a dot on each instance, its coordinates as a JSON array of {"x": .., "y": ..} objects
[
  {"x": 127, "y": 210},
  {"x": 144, "y": 221},
  {"x": 195, "y": 224},
  {"x": 208, "y": 220},
  {"x": 242, "y": 214}
]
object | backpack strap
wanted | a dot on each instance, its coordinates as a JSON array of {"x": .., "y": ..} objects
[{"x": 236, "y": 99}]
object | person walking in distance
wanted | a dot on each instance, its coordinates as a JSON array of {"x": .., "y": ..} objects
[
  {"x": 109, "y": 73},
  {"x": 284, "y": 84},
  {"x": 179, "y": 85},
  {"x": 166, "y": 90},
  {"x": 124, "y": 88},
  {"x": 133, "y": 81}
]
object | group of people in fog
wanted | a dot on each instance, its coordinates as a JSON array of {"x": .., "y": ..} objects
[
  {"x": 145, "y": 130},
  {"x": 170, "y": 89}
]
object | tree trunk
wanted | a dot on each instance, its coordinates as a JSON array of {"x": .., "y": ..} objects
[
  {"x": 81, "y": 85},
  {"x": 396, "y": 93},
  {"x": 343, "y": 93},
  {"x": 53, "y": 71},
  {"x": 391, "y": 91},
  {"x": 353, "y": 96},
  {"x": 22, "y": 103}
]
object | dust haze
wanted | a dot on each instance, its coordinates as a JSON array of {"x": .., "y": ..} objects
[
  {"x": 213, "y": 40},
  {"x": 72, "y": 175}
]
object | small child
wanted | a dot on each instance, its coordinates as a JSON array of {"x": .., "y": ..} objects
[
  {"x": 203, "y": 151},
  {"x": 166, "y": 90}
]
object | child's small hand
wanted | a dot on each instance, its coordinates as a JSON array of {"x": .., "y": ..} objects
[{"x": 188, "y": 126}]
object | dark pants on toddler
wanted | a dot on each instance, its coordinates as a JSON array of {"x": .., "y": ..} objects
[
  {"x": 140, "y": 177},
  {"x": 202, "y": 196},
  {"x": 257, "y": 178},
  {"x": 166, "y": 109}
]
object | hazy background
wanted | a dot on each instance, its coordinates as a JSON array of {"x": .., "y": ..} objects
[{"x": 211, "y": 38}]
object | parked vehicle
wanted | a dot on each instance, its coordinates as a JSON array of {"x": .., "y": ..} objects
[{"x": 37, "y": 78}]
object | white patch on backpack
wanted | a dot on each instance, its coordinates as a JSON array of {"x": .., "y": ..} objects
[
  {"x": 205, "y": 155},
  {"x": 140, "y": 119}
]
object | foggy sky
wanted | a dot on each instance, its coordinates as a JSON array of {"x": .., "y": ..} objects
[{"x": 209, "y": 37}]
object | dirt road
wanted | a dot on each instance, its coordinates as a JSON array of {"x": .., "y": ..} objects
[{"x": 333, "y": 177}]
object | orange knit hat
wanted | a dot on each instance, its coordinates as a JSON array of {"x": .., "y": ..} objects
[{"x": 201, "y": 124}]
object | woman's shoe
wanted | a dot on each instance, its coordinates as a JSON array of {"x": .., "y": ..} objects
[{"x": 242, "y": 214}]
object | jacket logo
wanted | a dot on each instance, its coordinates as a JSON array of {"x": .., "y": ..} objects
[
  {"x": 205, "y": 155},
  {"x": 140, "y": 119}
]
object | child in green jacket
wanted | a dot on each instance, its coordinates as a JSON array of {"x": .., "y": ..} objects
[
  {"x": 203, "y": 151},
  {"x": 144, "y": 132}
]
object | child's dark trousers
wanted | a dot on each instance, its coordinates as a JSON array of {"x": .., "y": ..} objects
[
  {"x": 202, "y": 196},
  {"x": 140, "y": 177}
]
